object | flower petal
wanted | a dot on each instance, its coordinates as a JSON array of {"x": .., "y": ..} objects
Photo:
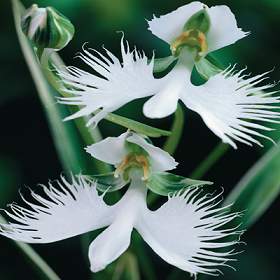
[
  {"x": 159, "y": 159},
  {"x": 109, "y": 245},
  {"x": 222, "y": 35},
  {"x": 161, "y": 105},
  {"x": 111, "y": 150},
  {"x": 69, "y": 210},
  {"x": 230, "y": 105},
  {"x": 165, "y": 101},
  {"x": 186, "y": 230},
  {"x": 112, "y": 242},
  {"x": 114, "y": 85},
  {"x": 170, "y": 26}
]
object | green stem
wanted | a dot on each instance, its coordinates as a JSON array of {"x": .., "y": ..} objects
[
  {"x": 209, "y": 161},
  {"x": 144, "y": 259},
  {"x": 128, "y": 266},
  {"x": 71, "y": 160},
  {"x": 173, "y": 140},
  {"x": 35, "y": 258},
  {"x": 88, "y": 135}
]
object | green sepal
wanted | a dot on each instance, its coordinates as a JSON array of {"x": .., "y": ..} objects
[
  {"x": 206, "y": 68},
  {"x": 164, "y": 183},
  {"x": 162, "y": 64},
  {"x": 108, "y": 182},
  {"x": 199, "y": 21}
]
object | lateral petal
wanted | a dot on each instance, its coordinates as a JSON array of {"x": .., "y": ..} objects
[
  {"x": 69, "y": 209},
  {"x": 230, "y": 106},
  {"x": 114, "y": 84},
  {"x": 186, "y": 230}
]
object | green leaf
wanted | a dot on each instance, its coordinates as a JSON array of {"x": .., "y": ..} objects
[
  {"x": 164, "y": 183},
  {"x": 137, "y": 126},
  {"x": 257, "y": 190},
  {"x": 161, "y": 64},
  {"x": 207, "y": 69},
  {"x": 108, "y": 182}
]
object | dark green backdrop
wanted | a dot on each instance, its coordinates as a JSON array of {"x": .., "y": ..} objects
[{"x": 27, "y": 154}]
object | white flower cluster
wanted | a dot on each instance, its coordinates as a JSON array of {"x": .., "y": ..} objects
[{"x": 189, "y": 231}]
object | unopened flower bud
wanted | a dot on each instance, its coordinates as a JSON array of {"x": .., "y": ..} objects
[{"x": 47, "y": 28}]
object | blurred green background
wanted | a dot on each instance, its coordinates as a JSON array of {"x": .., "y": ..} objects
[{"x": 28, "y": 156}]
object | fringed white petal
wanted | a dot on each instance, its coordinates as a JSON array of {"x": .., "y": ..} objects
[
  {"x": 231, "y": 103},
  {"x": 61, "y": 212},
  {"x": 115, "y": 84},
  {"x": 110, "y": 150},
  {"x": 170, "y": 26},
  {"x": 187, "y": 230},
  {"x": 159, "y": 159}
]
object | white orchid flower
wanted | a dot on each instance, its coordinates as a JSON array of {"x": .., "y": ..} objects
[
  {"x": 229, "y": 103},
  {"x": 185, "y": 231}
]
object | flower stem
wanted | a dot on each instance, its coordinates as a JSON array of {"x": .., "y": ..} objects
[
  {"x": 35, "y": 258},
  {"x": 209, "y": 161},
  {"x": 88, "y": 135},
  {"x": 173, "y": 140},
  {"x": 127, "y": 264}
]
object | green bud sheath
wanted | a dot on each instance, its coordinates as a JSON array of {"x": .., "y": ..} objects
[{"x": 47, "y": 28}]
